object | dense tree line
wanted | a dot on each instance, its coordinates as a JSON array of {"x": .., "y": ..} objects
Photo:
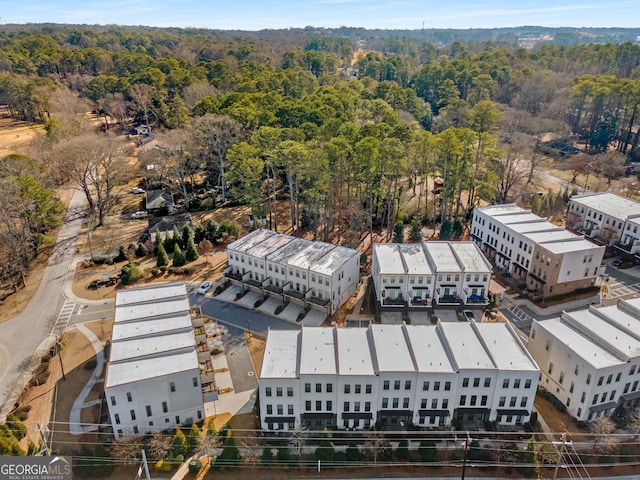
[{"x": 349, "y": 135}]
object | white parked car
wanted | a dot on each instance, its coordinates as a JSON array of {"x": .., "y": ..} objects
[
  {"x": 137, "y": 190},
  {"x": 204, "y": 288},
  {"x": 140, "y": 214},
  {"x": 468, "y": 315}
]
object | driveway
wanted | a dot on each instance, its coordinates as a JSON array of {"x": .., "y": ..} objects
[{"x": 243, "y": 375}]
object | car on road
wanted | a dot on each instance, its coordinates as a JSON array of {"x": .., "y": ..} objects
[
  {"x": 140, "y": 214},
  {"x": 617, "y": 262},
  {"x": 137, "y": 190},
  {"x": 204, "y": 288},
  {"x": 468, "y": 314}
]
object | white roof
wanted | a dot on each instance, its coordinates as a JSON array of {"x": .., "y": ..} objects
[
  {"x": 250, "y": 240},
  {"x": 582, "y": 346},
  {"x": 333, "y": 260},
  {"x": 151, "y": 293},
  {"x": 507, "y": 208},
  {"x": 389, "y": 258},
  {"x": 317, "y": 351},
  {"x": 155, "y": 326},
  {"x": 611, "y": 335},
  {"x": 415, "y": 259},
  {"x": 268, "y": 245},
  {"x": 314, "y": 252},
  {"x": 428, "y": 349},
  {"x": 138, "y": 369},
  {"x": 162, "y": 307},
  {"x": 281, "y": 354},
  {"x": 504, "y": 347},
  {"x": 288, "y": 250},
  {"x": 466, "y": 348},
  {"x": 442, "y": 257},
  {"x": 470, "y": 257},
  {"x": 391, "y": 349},
  {"x": 609, "y": 203},
  {"x": 354, "y": 352},
  {"x": 152, "y": 345},
  {"x": 571, "y": 246}
]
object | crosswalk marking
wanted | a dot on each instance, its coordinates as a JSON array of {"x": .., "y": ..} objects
[
  {"x": 617, "y": 289},
  {"x": 64, "y": 317},
  {"x": 518, "y": 313}
]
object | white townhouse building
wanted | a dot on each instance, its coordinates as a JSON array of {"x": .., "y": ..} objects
[
  {"x": 156, "y": 377},
  {"x": 396, "y": 375},
  {"x": 606, "y": 217},
  {"x": 318, "y": 275},
  {"x": 547, "y": 258},
  {"x": 430, "y": 273},
  {"x": 590, "y": 359}
]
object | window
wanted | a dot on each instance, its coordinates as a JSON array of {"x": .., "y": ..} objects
[
  {"x": 367, "y": 388},
  {"x": 487, "y": 382},
  {"x": 423, "y": 403},
  {"x": 385, "y": 402},
  {"x": 133, "y": 414},
  {"x": 278, "y": 391},
  {"x": 358, "y": 388},
  {"x": 447, "y": 386},
  {"x": 307, "y": 405},
  {"x": 547, "y": 345},
  {"x": 583, "y": 397},
  {"x": 194, "y": 381},
  {"x": 407, "y": 385},
  {"x": 613, "y": 394},
  {"x": 318, "y": 405},
  {"x": 307, "y": 388},
  {"x": 172, "y": 386},
  {"x": 117, "y": 418},
  {"x": 289, "y": 391},
  {"x": 577, "y": 370},
  {"x": 289, "y": 409},
  {"x": 600, "y": 380},
  {"x": 588, "y": 379},
  {"x": 367, "y": 406},
  {"x": 445, "y": 403},
  {"x": 405, "y": 402},
  {"x": 267, "y": 391},
  {"x": 595, "y": 399},
  {"x": 483, "y": 400},
  {"x": 571, "y": 387},
  {"x": 436, "y": 386},
  {"x": 512, "y": 401},
  {"x": 280, "y": 409},
  {"x": 505, "y": 383},
  {"x": 561, "y": 379},
  {"x": 465, "y": 382},
  {"x": 474, "y": 400},
  {"x": 425, "y": 386},
  {"x": 434, "y": 403},
  {"x": 550, "y": 368},
  {"x": 113, "y": 400},
  {"x": 626, "y": 388},
  {"x": 385, "y": 385},
  {"x": 476, "y": 382},
  {"x": 165, "y": 407},
  {"x": 463, "y": 400},
  {"x": 501, "y": 402},
  {"x": 318, "y": 387},
  {"x": 618, "y": 376},
  {"x": 396, "y": 385},
  {"x": 129, "y": 398},
  {"x": 347, "y": 388},
  {"x": 635, "y": 386},
  {"x": 609, "y": 378},
  {"x": 632, "y": 370},
  {"x": 395, "y": 402}
]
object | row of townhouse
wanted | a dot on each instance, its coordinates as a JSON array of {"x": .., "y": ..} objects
[
  {"x": 547, "y": 258},
  {"x": 590, "y": 359},
  {"x": 608, "y": 218},
  {"x": 428, "y": 273},
  {"x": 156, "y": 378},
  {"x": 312, "y": 274},
  {"x": 395, "y": 375}
]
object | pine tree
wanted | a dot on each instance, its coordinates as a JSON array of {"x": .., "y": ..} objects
[
  {"x": 178, "y": 257},
  {"x": 192, "y": 253},
  {"x": 162, "y": 259},
  {"x": 179, "y": 445}
]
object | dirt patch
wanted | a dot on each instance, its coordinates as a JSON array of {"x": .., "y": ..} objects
[
  {"x": 15, "y": 135},
  {"x": 556, "y": 420}
]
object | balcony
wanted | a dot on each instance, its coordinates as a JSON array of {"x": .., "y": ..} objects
[
  {"x": 393, "y": 302},
  {"x": 323, "y": 302},
  {"x": 421, "y": 302}
]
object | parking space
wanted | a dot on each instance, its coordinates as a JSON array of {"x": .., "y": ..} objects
[
  {"x": 314, "y": 318},
  {"x": 269, "y": 306},
  {"x": 446, "y": 315},
  {"x": 249, "y": 299},
  {"x": 229, "y": 295}
]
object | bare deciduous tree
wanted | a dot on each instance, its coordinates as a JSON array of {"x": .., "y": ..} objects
[{"x": 602, "y": 430}]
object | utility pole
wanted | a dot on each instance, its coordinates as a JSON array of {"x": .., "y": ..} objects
[
  {"x": 145, "y": 465},
  {"x": 59, "y": 348},
  {"x": 465, "y": 448},
  {"x": 44, "y": 448},
  {"x": 563, "y": 440}
]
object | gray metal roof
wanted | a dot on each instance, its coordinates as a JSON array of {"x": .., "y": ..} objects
[{"x": 608, "y": 203}]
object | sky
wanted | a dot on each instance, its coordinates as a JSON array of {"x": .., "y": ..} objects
[{"x": 276, "y": 14}]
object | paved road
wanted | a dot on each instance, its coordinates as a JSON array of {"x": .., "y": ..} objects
[
  {"x": 25, "y": 337},
  {"x": 243, "y": 375}
]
